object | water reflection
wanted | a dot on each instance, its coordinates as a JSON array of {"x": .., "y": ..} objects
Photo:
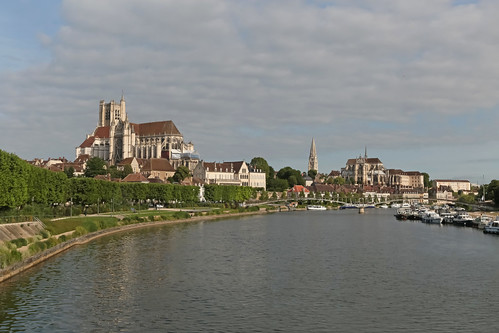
[{"x": 320, "y": 272}]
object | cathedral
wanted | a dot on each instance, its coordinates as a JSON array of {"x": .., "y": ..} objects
[{"x": 115, "y": 138}]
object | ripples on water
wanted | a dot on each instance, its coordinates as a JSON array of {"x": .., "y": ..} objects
[{"x": 291, "y": 272}]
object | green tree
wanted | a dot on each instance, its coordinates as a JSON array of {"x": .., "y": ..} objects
[
  {"x": 293, "y": 176},
  {"x": 312, "y": 173},
  {"x": 339, "y": 181},
  {"x": 261, "y": 163},
  {"x": 181, "y": 173},
  {"x": 276, "y": 184},
  {"x": 95, "y": 166},
  {"x": 426, "y": 180},
  {"x": 69, "y": 171}
]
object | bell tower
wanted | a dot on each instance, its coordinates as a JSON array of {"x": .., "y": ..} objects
[{"x": 313, "y": 163}]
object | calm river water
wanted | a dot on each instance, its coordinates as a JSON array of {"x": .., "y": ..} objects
[{"x": 333, "y": 271}]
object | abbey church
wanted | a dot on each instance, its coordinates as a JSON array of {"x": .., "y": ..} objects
[{"x": 115, "y": 139}]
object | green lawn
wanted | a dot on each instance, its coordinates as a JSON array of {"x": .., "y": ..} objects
[{"x": 69, "y": 224}]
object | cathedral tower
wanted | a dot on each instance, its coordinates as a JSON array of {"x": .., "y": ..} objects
[{"x": 313, "y": 163}]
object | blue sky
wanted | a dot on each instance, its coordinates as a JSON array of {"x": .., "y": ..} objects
[{"x": 414, "y": 81}]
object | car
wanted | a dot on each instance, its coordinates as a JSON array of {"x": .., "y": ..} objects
[{"x": 159, "y": 206}]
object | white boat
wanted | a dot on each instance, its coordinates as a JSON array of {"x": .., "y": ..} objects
[
  {"x": 383, "y": 206},
  {"x": 406, "y": 205},
  {"x": 431, "y": 217},
  {"x": 463, "y": 219},
  {"x": 396, "y": 205},
  {"x": 316, "y": 207},
  {"x": 448, "y": 217},
  {"x": 481, "y": 221},
  {"x": 492, "y": 227}
]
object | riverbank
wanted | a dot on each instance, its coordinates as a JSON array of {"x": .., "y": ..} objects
[{"x": 40, "y": 257}]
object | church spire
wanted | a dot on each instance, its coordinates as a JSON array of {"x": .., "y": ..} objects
[{"x": 313, "y": 163}]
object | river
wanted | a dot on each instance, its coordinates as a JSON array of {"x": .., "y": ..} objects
[{"x": 332, "y": 271}]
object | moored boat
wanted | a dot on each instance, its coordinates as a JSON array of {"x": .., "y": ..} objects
[
  {"x": 481, "y": 221},
  {"x": 431, "y": 217},
  {"x": 492, "y": 227},
  {"x": 463, "y": 219},
  {"x": 316, "y": 207}
]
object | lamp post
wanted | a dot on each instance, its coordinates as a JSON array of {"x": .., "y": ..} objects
[{"x": 71, "y": 207}]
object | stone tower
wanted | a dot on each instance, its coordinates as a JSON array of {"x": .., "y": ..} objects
[{"x": 313, "y": 163}]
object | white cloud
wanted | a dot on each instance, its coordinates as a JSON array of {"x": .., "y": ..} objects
[{"x": 253, "y": 78}]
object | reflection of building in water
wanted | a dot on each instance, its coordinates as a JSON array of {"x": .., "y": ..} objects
[
  {"x": 116, "y": 138},
  {"x": 365, "y": 171}
]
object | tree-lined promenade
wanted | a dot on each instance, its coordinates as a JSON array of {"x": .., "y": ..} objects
[{"x": 25, "y": 186}]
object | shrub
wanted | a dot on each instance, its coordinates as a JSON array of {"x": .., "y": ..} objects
[
  {"x": 79, "y": 231},
  {"x": 8, "y": 257},
  {"x": 63, "y": 238},
  {"x": 107, "y": 224},
  {"x": 37, "y": 247},
  {"x": 52, "y": 241},
  {"x": 181, "y": 215},
  {"x": 19, "y": 242},
  {"x": 45, "y": 233},
  {"x": 90, "y": 226}
]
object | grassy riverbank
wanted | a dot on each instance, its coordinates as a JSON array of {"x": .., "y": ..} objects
[{"x": 61, "y": 234}]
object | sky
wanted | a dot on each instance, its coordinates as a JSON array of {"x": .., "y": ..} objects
[{"x": 414, "y": 81}]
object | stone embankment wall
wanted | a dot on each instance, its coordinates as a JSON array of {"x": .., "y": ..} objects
[{"x": 10, "y": 231}]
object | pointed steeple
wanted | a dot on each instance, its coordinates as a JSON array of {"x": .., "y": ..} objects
[
  {"x": 365, "y": 151},
  {"x": 313, "y": 163}
]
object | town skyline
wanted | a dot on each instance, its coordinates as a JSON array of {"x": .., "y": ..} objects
[{"x": 414, "y": 82}]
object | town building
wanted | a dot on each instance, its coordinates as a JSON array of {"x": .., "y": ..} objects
[
  {"x": 454, "y": 185},
  {"x": 230, "y": 173},
  {"x": 116, "y": 138},
  {"x": 404, "y": 179},
  {"x": 298, "y": 190}
]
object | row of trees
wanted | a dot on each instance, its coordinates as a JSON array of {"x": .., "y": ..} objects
[{"x": 22, "y": 184}]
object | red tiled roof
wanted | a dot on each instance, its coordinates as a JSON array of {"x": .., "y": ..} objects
[
  {"x": 298, "y": 189},
  {"x": 126, "y": 161},
  {"x": 157, "y": 127},
  {"x": 82, "y": 158},
  {"x": 157, "y": 164},
  {"x": 135, "y": 178},
  {"x": 102, "y": 132},
  {"x": 88, "y": 142}
]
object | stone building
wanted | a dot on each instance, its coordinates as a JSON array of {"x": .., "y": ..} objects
[
  {"x": 454, "y": 185},
  {"x": 116, "y": 138},
  {"x": 313, "y": 162},
  {"x": 365, "y": 171},
  {"x": 404, "y": 179}
]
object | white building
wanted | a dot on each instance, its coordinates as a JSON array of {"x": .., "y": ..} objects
[
  {"x": 454, "y": 185},
  {"x": 229, "y": 173}
]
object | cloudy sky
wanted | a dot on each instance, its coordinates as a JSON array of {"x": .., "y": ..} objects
[{"x": 416, "y": 81}]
